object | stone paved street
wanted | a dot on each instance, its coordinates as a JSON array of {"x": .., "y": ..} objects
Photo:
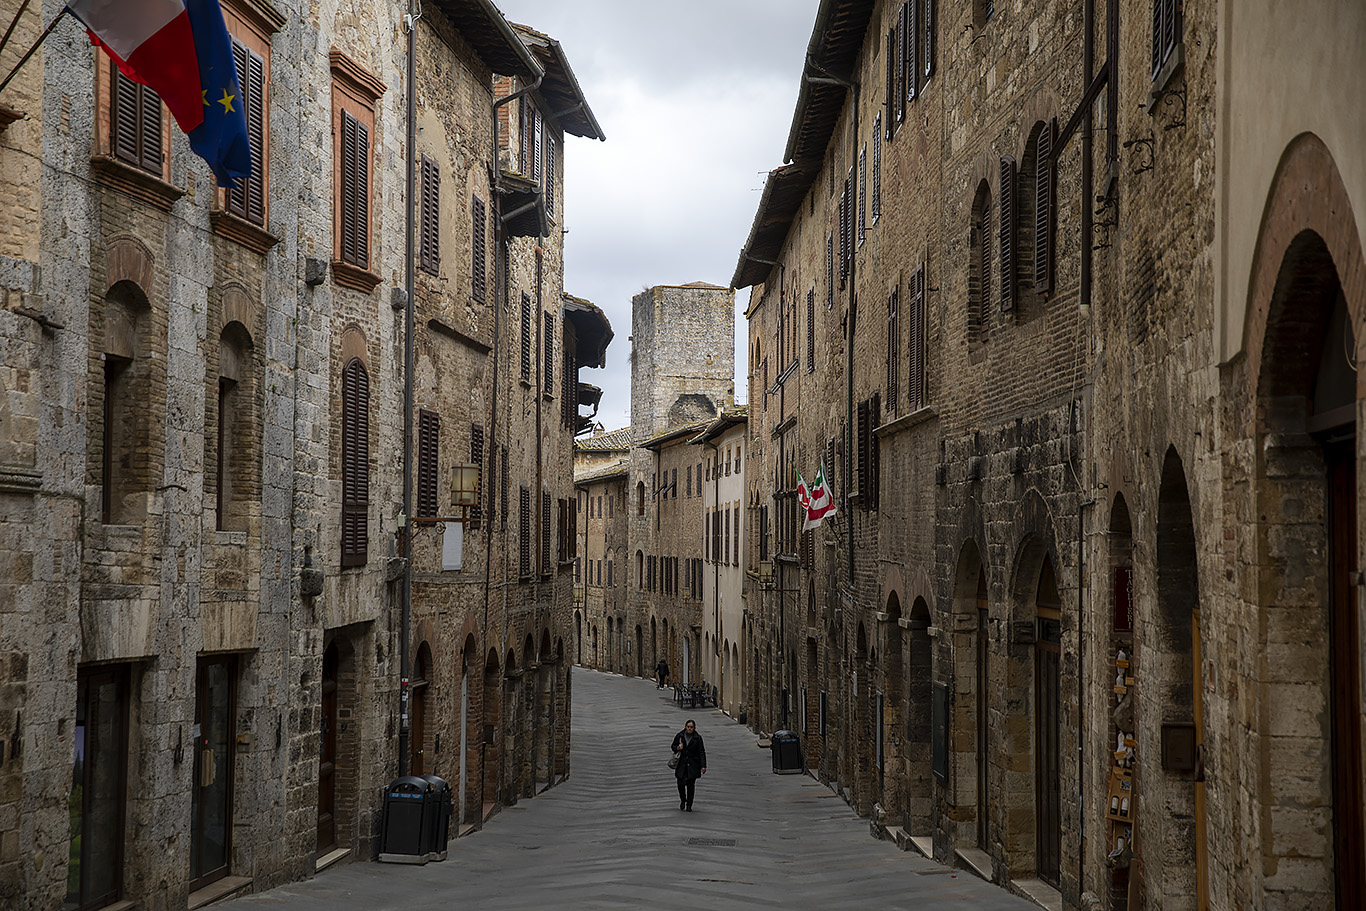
[{"x": 612, "y": 835}]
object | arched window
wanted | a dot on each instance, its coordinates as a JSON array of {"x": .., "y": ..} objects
[
  {"x": 979, "y": 267},
  {"x": 355, "y": 462},
  {"x": 126, "y": 428},
  {"x": 640, "y": 498}
]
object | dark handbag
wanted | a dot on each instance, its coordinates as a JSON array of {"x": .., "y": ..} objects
[{"x": 673, "y": 761}]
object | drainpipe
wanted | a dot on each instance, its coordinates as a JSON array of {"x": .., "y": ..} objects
[
  {"x": 409, "y": 280},
  {"x": 828, "y": 78}
]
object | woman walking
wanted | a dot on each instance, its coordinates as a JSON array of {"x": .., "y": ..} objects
[{"x": 692, "y": 762}]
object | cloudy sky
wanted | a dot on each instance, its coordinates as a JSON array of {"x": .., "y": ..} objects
[{"x": 696, "y": 100}]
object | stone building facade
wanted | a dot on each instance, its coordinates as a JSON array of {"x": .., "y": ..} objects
[
  {"x": 1073, "y": 323},
  {"x": 601, "y": 571},
  {"x": 722, "y": 443},
  {"x": 201, "y": 449}
]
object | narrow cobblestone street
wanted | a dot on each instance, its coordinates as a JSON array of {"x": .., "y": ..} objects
[{"x": 612, "y": 835}]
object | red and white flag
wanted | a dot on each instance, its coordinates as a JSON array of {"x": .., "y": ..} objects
[
  {"x": 152, "y": 42},
  {"x": 820, "y": 502}
]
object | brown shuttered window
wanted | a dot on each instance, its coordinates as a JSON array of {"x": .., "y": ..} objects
[
  {"x": 736, "y": 561},
  {"x": 688, "y": 475},
  {"x": 545, "y": 533},
  {"x": 1007, "y": 233},
  {"x": 829, "y": 278},
  {"x": 428, "y": 471},
  {"x": 1166, "y": 31},
  {"x": 135, "y": 123},
  {"x": 429, "y": 220},
  {"x": 524, "y": 532},
  {"x": 915, "y": 391},
  {"x": 844, "y": 234},
  {"x": 479, "y": 261},
  {"x": 902, "y": 37},
  {"x": 355, "y": 462},
  {"x": 248, "y": 199},
  {"x": 928, "y": 23},
  {"x": 849, "y": 190},
  {"x": 477, "y": 457},
  {"x": 548, "y": 353},
  {"x": 569, "y": 390},
  {"x": 673, "y": 484},
  {"x": 537, "y": 129},
  {"x": 864, "y": 464},
  {"x": 524, "y": 138},
  {"x": 507, "y": 491},
  {"x": 550, "y": 174},
  {"x": 862, "y": 194},
  {"x": 526, "y": 337},
  {"x": 891, "y": 82},
  {"x": 811, "y": 330},
  {"x": 1043, "y": 208},
  {"x": 911, "y": 61},
  {"x": 893, "y": 345},
  {"x": 355, "y": 192},
  {"x": 877, "y": 167}
]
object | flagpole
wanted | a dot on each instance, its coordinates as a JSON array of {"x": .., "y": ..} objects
[
  {"x": 41, "y": 38},
  {"x": 13, "y": 23}
]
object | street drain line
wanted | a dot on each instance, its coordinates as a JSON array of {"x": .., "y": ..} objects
[{"x": 711, "y": 842}]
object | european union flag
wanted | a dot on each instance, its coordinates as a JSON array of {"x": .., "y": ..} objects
[{"x": 221, "y": 140}]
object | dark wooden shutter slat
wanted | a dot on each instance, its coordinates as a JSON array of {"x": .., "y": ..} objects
[
  {"x": 928, "y": 25},
  {"x": 477, "y": 457},
  {"x": 1158, "y": 8},
  {"x": 1007, "y": 233},
  {"x": 348, "y": 187},
  {"x": 479, "y": 260},
  {"x": 526, "y": 337},
  {"x": 829, "y": 275},
  {"x": 912, "y": 50},
  {"x": 355, "y": 463},
  {"x": 901, "y": 63},
  {"x": 428, "y": 456},
  {"x": 893, "y": 346},
  {"x": 362, "y": 170},
  {"x": 874, "y": 456},
  {"x": 916, "y": 380},
  {"x": 863, "y": 463},
  {"x": 548, "y": 353},
  {"x": 811, "y": 330},
  {"x": 149, "y": 106},
  {"x": 236, "y": 197},
  {"x": 1043, "y": 209},
  {"x": 254, "y": 92},
  {"x": 891, "y": 81},
  {"x": 550, "y": 174},
  {"x": 545, "y": 533},
  {"x": 507, "y": 490}
]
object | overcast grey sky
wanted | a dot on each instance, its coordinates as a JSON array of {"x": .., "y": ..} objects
[{"x": 696, "y": 100}]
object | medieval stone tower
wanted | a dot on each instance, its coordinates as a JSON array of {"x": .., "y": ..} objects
[{"x": 682, "y": 355}]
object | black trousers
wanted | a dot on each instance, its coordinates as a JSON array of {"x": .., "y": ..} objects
[{"x": 685, "y": 789}]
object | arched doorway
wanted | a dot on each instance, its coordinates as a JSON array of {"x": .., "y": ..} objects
[
  {"x": 919, "y": 734},
  {"x": 1308, "y": 289},
  {"x": 971, "y": 701},
  {"x": 490, "y": 755},
  {"x": 1047, "y": 727},
  {"x": 417, "y": 711},
  {"x": 327, "y": 758}
]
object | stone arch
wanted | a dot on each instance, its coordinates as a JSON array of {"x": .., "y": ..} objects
[
  {"x": 1306, "y": 300},
  {"x": 419, "y": 689},
  {"x": 491, "y": 743},
  {"x": 127, "y": 259},
  {"x": 124, "y": 464},
  {"x": 919, "y": 734}
]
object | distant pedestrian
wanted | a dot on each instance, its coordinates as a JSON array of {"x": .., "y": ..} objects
[
  {"x": 692, "y": 762},
  {"x": 661, "y": 674}
]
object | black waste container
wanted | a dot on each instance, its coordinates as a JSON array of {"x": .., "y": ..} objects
[
  {"x": 787, "y": 753},
  {"x": 438, "y": 821},
  {"x": 404, "y": 839}
]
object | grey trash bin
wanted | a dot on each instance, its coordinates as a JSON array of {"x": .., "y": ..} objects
[
  {"x": 438, "y": 820},
  {"x": 404, "y": 839},
  {"x": 787, "y": 753}
]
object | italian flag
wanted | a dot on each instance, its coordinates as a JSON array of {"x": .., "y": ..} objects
[{"x": 818, "y": 502}]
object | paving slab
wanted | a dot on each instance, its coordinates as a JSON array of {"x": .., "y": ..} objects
[{"x": 612, "y": 836}]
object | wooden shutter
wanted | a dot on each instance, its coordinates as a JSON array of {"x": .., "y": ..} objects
[
  {"x": 877, "y": 166},
  {"x": 874, "y": 456},
  {"x": 355, "y": 192},
  {"x": 149, "y": 134},
  {"x": 1007, "y": 233},
  {"x": 893, "y": 346},
  {"x": 912, "y": 51},
  {"x": 811, "y": 330},
  {"x": 1158, "y": 9},
  {"x": 844, "y": 235},
  {"x": 915, "y": 394},
  {"x": 1043, "y": 209},
  {"x": 891, "y": 81},
  {"x": 126, "y": 121},
  {"x": 524, "y": 137},
  {"x": 355, "y": 462},
  {"x": 849, "y": 190},
  {"x": 545, "y": 533},
  {"x": 507, "y": 490},
  {"x": 927, "y": 27},
  {"x": 901, "y": 39},
  {"x": 862, "y": 193},
  {"x": 526, "y": 337},
  {"x": 736, "y": 517},
  {"x": 550, "y": 174},
  {"x": 548, "y": 351},
  {"x": 478, "y": 264},
  {"x": 829, "y": 278},
  {"x": 864, "y": 464},
  {"x": 984, "y": 277},
  {"x": 248, "y": 199},
  {"x": 477, "y": 457},
  {"x": 524, "y": 531},
  {"x": 429, "y": 231},
  {"x": 538, "y": 141},
  {"x": 428, "y": 471},
  {"x": 569, "y": 390}
]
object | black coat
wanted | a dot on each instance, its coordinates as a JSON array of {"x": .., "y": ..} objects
[{"x": 692, "y": 759}]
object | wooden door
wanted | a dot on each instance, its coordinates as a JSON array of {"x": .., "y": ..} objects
[
  {"x": 327, "y": 754},
  {"x": 982, "y": 683},
  {"x": 1047, "y": 787},
  {"x": 1349, "y": 864},
  {"x": 211, "y": 793}
]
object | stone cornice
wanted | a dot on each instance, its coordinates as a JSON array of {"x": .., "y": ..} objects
[{"x": 353, "y": 76}]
